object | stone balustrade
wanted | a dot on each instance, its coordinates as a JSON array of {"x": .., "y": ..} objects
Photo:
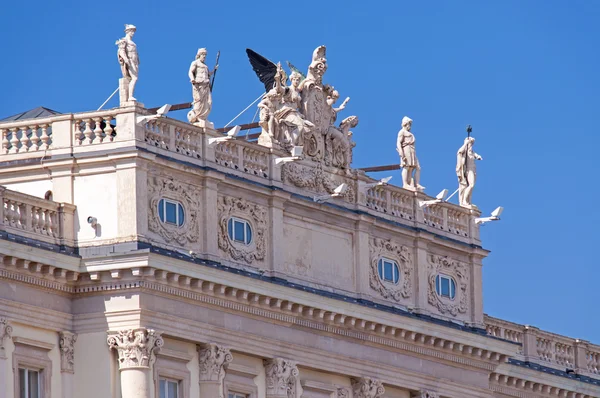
[
  {"x": 82, "y": 132},
  {"x": 37, "y": 218},
  {"x": 548, "y": 349}
]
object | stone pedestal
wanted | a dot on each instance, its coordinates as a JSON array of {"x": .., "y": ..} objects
[
  {"x": 204, "y": 124},
  {"x": 213, "y": 361},
  {"x": 136, "y": 348},
  {"x": 124, "y": 92}
]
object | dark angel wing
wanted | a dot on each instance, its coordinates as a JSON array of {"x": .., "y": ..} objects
[{"x": 264, "y": 69}]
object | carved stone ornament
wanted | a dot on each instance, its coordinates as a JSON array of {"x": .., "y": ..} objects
[
  {"x": 136, "y": 347},
  {"x": 282, "y": 378},
  {"x": 256, "y": 215},
  {"x": 366, "y": 387},
  {"x": 160, "y": 187},
  {"x": 315, "y": 179},
  {"x": 379, "y": 248},
  {"x": 67, "y": 351},
  {"x": 460, "y": 273},
  {"x": 5, "y": 332},
  {"x": 425, "y": 394},
  {"x": 213, "y": 360},
  {"x": 342, "y": 392}
]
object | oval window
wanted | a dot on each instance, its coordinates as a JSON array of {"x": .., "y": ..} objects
[
  {"x": 239, "y": 230},
  {"x": 388, "y": 270},
  {"x": 445, "y": 286},
  {"x": 171, "y": 212}
]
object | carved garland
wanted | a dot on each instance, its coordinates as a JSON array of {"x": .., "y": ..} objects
[
  {"x": 167, "y": 188},
  {"x": 443, "y": 265},
  {"x": 257, "y": 217},
  {"x": 315, "y": 179},
  {"x": 386, "y": 248}
]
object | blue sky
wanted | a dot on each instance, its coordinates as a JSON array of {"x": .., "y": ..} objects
[{"x": 525, "y": 74}]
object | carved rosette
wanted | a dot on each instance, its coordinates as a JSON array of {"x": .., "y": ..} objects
[
  {"x": 66, "y": 344},
  {"x": 257, "y": 217},
  {"x": 379, "y": 248},
  {"x": 315, "y": 179},
  {"x": 5, "y": 332},
  {"x": 367, "y": 387},
  {"x": 282, "y": 378},
  {"x": 425, "y": 394},
  {"x": 160, "y": 187},
  {"x": 136, "y": 347},
  {"x": 460, "y": 273}
]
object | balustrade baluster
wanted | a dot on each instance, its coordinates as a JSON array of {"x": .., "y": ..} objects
[
  {"x": 5, "y": 141},
  {"x": 46, "y": 227},
  {"x": 14, "y": 140},
  {"x": 108, "y": 130},
  {"x": 98, "y": 133},
  {"x": 45, "y": 137},
  {"x": 88, "y": 131},
  {"x": 25, "y": 139},
  {"x": 35, "y": 140},
  {"x": 77, "y": 134}
]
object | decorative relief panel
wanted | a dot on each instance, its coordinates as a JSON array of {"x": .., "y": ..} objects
[
  {"x": 315, "y": 179},
  {"x": 257, "y": 217},
  {"x": 386, "y": 248},
  {"x": 366, "y": 387},
  {"x": 457, "y": 270},
  {"x": 5, "y": 332},
  {"x": 161, "y": 187},
  {"x": 67, "y": 351}
]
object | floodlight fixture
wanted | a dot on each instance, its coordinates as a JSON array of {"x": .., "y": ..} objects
[
  {"x": 439, "y": 198},
  {"x": 494, "y": 217},
  {"x": 369, "y": 185},
  {"x": 161, "y": 112},
  {"x": 296, "y": 155},
  {"x": 231, "y": 134},
  {"x": 337, "y": 192}
]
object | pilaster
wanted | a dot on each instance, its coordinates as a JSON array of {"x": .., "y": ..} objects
[
  {"x": 5, "y": 333},
  {"x": 425, "y": 394},
  {"x": 213, "y": 361},
  {"x": 135, "y": 349},
  {"x": 530, "y": 343},
  {"x": 282, "y": 378}
]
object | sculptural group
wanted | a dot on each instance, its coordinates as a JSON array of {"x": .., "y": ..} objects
[{"x": 301, "y": 114}]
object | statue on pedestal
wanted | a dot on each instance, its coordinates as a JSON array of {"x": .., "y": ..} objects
[
  {"x": 129, "y": 61},
  {"x": 466, "y": 172},
  {"x": 199, "y": 75},
  {"x": 405, "y": 145}
]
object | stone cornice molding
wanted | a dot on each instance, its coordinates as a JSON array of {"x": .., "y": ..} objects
[
  {"x": 282, "y": 377},
  {"x": 267, "y": 306},
  {"x": 367, "y": 387},
  {"x": 5, "y": 333},
  {"x": 66, "y": 343},
  {"x": 519, "y": 387},
  {"x": 213, "y": 361},
  {"x": 135, "y": 347}
]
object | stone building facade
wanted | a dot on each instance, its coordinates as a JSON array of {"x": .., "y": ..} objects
[{"x": 137, "y": 260}]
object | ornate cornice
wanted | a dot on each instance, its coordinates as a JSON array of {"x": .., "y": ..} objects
[
  {"x": 266, "y": 306},
  {"x": 367, "y": 387},
  {"x": 135, "y": 347},
  {"x": 66, "y": 344},
  {"x": 519, "y": 387},
  {"x": 282, "y": 377}
]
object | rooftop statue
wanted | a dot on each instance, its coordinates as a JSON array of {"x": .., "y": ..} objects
[
  {"x": 283, "y": 125},
  {"x": 129, "y": 61},
  {"x": 200, "y": 75},
  {"x": 303, "y": 114},
  {"x": 405, "y": 145},
  {"x": 466, "y": 172}
]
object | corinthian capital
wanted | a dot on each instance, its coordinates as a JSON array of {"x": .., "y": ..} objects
[
  {"x": 366, "y": 387},
  {"x": 282, "y": 377},
  {"x": 67, "y": 351},
  {"x": 136, "y": 347},
  {"x": 5, "y": 331},
  {"x": 214, "y": 360}
]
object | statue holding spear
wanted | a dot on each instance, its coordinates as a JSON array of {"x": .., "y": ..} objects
[
  {"x": 466, "y": 170},
  {"x": 200, "y": 77}
]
